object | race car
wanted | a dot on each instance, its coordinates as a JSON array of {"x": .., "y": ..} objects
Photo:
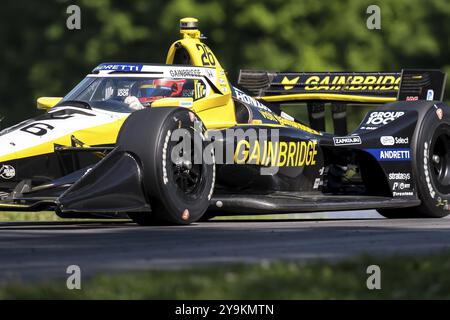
[{"x": 176, "y": 143}]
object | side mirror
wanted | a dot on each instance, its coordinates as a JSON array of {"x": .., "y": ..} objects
[{"x": 46, "y": 103}]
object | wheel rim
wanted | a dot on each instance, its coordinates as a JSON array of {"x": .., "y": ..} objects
[
  {"x": 186, "y": 174},
  {"x": 440, "y": 159}
]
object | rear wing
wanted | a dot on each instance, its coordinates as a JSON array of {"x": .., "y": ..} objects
[{"x": 357, "y": 87}]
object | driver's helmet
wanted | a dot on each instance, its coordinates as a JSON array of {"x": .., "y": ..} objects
[
  {"x": 176, "y": 86},
  {"x": 145, "y": 93},
  {"x": 158, "y": 89}
]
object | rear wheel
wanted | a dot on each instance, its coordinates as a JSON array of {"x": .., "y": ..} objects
[
  {"x": 432, "y": 169},
  {"x": 179, "y": 188}
]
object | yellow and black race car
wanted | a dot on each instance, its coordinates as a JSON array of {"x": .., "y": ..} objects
[{"x": 176, "y": 143}]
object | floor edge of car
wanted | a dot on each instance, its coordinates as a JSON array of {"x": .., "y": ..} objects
[{"x": 283, "y": 202}]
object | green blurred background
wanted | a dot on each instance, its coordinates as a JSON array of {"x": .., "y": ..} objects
[{"x": 41, "y": 57}]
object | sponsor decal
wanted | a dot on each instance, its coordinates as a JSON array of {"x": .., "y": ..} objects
[
  {"x": 184, "y": 73},
  {"x": 426, "y": 171},
  {"x": 412, "y": 98},
  {"x": 401, "y": 186},
  {"x": 186, "y": 104},
  {"x": 399, "y": 176},
  {"x": 399, "y": 140},
  {"x": 390, "y": 140},
  {"x": 200, "y": 90},
  {"x": 341, "y": 82},
  {"x": 345, "y": 141},
  {"x": 383, "y": 117},
  {"x": 430, "y": 95},
  {"x": 119, "y": 67},
  {"x": 121, "y": 92},
  {"x": 288, "y": 82},
  {"x": 403, "y": 194},
  {"x": 390, "y": 154},
  {"x": 387, "y": 140},
  {"x": 7, "y": 172},
  {"x": 369, "y": 128},
  {"x": 279, "y": 153},
  {"x": 210, "y": 73},
  {"x": 241, "y": 96}
]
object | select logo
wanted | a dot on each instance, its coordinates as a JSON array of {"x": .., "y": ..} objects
[
  {"x": 387, "y": 140},
  {"x": 345, "y": 141},
  {"x": 390, "y": 140}
]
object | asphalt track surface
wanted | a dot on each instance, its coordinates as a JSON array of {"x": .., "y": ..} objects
[{"x": 31, "y": 251}]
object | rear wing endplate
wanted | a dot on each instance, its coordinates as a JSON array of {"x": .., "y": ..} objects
[{"x": 358, "y": 87}]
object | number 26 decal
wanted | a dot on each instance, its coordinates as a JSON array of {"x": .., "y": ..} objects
[{"x": 207, "y": 56}]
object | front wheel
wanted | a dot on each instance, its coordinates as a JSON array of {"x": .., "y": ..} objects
[
  {"x": 178, "y": 178},
  {"x": 432, "y": 168}
]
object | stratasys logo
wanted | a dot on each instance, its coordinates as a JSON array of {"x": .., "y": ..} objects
[
  {"x": 399, "y": 176},
  {"x": 7, "y": 171}
]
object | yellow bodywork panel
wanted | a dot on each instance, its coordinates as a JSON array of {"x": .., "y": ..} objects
[
  {"x": 99, "y": 135},
  {"x": 327, "y": 97},
  {"x": 220, "y": 117},
  {"x": 173, "y": 102},
  {"x": 217, "y": 109}
]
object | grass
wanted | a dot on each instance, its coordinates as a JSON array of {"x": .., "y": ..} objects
[
  {"x": 28, "y": 216},
  {"x": 7, "y": 216},
  {"x": 402, "y": 277},
  {"x": 47, "y": 216}
]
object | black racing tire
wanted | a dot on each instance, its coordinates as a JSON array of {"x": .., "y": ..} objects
[
  {"x": 178, "y": 189},
  {"x": 431, "y": 168}
]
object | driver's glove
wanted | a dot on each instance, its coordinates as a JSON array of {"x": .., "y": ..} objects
[{"x": 134, "y": 103}]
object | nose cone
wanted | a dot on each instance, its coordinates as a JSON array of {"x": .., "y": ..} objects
[{"x": 39, "y": 135}]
